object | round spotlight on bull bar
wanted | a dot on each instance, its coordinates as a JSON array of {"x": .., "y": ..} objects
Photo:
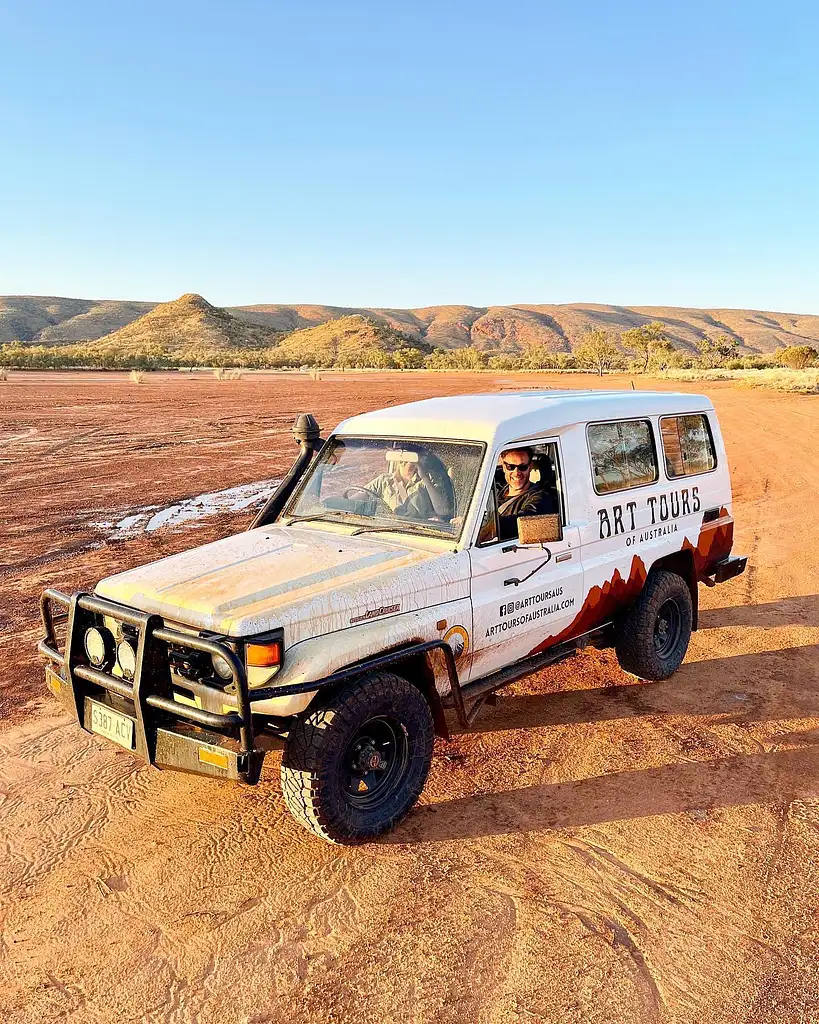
[
  {"x": 99, "y": 646},
  {"x": 126, "y": 658},
  {"x": 221, "y": 666}
]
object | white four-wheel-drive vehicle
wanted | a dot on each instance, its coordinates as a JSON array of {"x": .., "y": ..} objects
[{"x": 416, "y": 561}]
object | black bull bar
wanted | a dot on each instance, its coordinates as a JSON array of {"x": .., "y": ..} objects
[
  {"x": 169, "y": 734},
  {"x": 205, "y": 742}
]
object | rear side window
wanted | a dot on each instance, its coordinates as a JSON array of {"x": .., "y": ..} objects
[
  {"x": 622, "y": 455},
  {"x": 687, "y": 444}
]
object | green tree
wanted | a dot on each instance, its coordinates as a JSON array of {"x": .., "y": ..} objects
[
  {"x": 537, "y": 357},
  {"x": 717, "y": 351},
  {"x": 644, "y": 342},
  {"x": 664, "y": 357},
  {"x": 598, "y": 350},
  {"x": 502, "y": 361},
  {"x": 465, "y": 358},
  {"x": 408, "y": 358}
]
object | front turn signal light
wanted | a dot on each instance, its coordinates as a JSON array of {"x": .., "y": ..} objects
[{"x": 264, "y": 655}]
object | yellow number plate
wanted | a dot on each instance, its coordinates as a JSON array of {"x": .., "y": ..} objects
[{"x": 112, "y": 725}]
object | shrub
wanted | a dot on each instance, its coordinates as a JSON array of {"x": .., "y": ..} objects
[{"x": 797, "y": 357}]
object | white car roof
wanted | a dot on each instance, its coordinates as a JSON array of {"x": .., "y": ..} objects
[{"x": 515, "y": 415}]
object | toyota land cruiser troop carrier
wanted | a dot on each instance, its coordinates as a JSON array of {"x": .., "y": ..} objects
[{"x": 417, "y": 560}]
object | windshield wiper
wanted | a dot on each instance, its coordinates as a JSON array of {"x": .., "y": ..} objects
[
  {"x": 404, "y": 527},
  {"x": 375, "y": 529},
  {"x": 314, "y": 519}
]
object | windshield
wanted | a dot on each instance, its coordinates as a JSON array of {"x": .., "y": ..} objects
[{"x": 390, "y": 484}]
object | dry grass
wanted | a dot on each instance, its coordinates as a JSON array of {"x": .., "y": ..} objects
[
  {"x": 136, "y": 376},
  {"x": 804, "y": 382}
]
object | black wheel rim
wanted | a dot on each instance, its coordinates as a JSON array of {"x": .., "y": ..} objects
[
  {"x": 375, "y": 763},
  {"x": 667, "y": 628}
]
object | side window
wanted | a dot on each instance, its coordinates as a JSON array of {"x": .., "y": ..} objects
[
  {"x": 687, "y": 445},
  {"x": 622, "y": 455},
  {"x": 526, "y": 482}
]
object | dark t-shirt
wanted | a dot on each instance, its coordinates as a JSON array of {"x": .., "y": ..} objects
[
  {"x": 531, "y": 502},
  {"x": 534, "y": 501}
]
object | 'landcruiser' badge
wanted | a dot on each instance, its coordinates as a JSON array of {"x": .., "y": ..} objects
[
  {"x": 458, "y": 639},
  {"x": 374, "y": 613}
]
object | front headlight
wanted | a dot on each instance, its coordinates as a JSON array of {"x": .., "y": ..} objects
[{"x": 221, "y": 667}]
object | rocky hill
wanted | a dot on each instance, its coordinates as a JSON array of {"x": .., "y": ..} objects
[
  {"x": 50, "y": 320},
  {"x": 187, "y": 324},
  {"x": 189, "y": 320},
  {"x": 348, "y": 341}
]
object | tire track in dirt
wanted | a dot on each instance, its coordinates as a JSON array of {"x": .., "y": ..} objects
[
  {"x": 63, "y": 793},
  {"x": 598, "y": 851}
]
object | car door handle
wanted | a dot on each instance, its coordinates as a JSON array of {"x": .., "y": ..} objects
[
  {"x": 564, "y": 556},
  {"x": 515, "y": 582}
]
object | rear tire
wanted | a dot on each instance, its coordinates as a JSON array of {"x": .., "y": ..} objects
[
  {"x": 355, "y": 765},
  {"x": 653, "y": 637}
]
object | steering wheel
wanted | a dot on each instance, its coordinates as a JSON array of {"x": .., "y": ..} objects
[{"x": 380, "y": 505}]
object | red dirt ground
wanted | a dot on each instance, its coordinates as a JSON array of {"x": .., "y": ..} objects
[{"x": 598, "y": 850}]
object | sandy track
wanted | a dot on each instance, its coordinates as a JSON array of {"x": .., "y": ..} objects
[{"x": 596, "y": 850}]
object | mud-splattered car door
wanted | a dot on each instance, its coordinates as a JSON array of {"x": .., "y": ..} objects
[{"x": 522, "y": 596}]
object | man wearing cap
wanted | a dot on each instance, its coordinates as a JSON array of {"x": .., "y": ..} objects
[{"x": 410, "y": 489}]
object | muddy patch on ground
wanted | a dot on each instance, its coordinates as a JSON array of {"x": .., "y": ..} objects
[{"x": 187, "y": 512}]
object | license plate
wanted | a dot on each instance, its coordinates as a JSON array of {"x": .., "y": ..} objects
[{"x": 112, "y": 725}]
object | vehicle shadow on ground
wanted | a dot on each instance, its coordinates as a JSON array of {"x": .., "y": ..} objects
[
  {"x": 788, "y": 611},
  {"x": 732, "y": 688},
  {"x": 770, "y": 778},
  {"x": 746, "y": 689}
]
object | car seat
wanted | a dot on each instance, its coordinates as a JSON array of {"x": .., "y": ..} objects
[{"x": 543, "y": 474}]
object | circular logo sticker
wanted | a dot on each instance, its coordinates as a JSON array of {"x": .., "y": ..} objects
[{"x": 458, "y": 639}]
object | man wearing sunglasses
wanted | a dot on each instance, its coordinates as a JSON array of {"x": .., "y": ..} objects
[{"x": 519, "y": 496}]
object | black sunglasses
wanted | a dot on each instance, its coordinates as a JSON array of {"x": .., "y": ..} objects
[{"x": 510, "y": 467}]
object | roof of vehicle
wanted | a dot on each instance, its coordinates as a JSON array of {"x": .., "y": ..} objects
[{"x": 515, "y": 415}]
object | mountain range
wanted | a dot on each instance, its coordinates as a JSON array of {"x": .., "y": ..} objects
[{"x": 192, "y": 321}]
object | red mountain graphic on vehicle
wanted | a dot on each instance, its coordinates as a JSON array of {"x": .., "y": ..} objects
[{"x": 713, "y": 544}]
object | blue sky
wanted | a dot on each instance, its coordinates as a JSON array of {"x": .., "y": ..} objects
[{"x": 409, "y": 154}]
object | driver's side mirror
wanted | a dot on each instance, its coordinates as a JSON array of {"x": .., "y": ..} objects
[{"x": 545, "y": 529}]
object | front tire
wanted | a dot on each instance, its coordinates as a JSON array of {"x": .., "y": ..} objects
[
  {"x": 654, "y": 635},
  {"x": 355, "y": 765}
]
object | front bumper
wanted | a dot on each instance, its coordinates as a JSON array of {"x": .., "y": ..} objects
[{"x": 165, "y": 733}]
